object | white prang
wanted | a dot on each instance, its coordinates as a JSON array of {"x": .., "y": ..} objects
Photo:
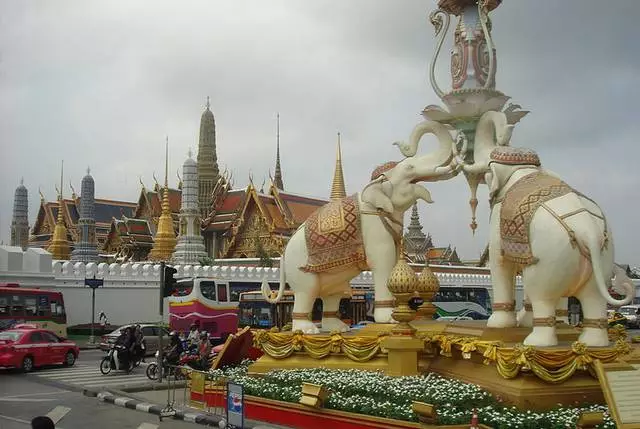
[{"x": 190, "y": 247}]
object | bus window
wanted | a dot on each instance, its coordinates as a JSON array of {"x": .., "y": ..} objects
[
  {"x": 222, "y": 293},
  {"x": 43, "y": 306},
  {"x": 30, "y": 306},
  {"x": 208, "y": 290},
  {"x": 17, "y": 309},
  {"x": 4, "y": 306},
  {"x": 235, "y": 289}
]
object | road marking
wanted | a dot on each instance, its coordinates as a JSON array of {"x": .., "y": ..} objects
[
  {"x": 58, "y": 413},
  {"x": 8, "y": 399},
  {"x": 147, "y": 426},
  {"x": 57, "y": 392}
]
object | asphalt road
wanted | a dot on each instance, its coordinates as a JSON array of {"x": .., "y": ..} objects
[{"x": 23, "y": 397}]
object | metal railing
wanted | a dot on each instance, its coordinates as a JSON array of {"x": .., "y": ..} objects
[{"x": 200, "y": 382}]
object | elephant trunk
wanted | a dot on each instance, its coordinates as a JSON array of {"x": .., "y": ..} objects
[
  {"x": 493, "y": 130},
  {"x": 432, "y": 160},
  {"x": 266, "y": 289}
]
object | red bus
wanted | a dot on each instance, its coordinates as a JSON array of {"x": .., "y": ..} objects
[{"x": 41, "y": 308}]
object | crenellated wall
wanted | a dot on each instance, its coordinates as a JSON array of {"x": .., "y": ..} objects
[{"x": 130, "y": 292}]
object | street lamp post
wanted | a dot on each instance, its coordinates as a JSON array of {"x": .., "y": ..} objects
[{"x": 93, "y": 284}]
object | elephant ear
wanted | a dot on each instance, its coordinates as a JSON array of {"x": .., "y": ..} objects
[{"x": 379, "y": 196}]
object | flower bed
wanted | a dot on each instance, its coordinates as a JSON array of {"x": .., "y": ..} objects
[{"x": 378, "y": 395}]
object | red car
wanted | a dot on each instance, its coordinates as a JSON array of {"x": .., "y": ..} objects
[{"x": 29, "y": 348}]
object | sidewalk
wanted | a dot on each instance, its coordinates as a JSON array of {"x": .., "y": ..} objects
[{"x": 155, "y": 402}]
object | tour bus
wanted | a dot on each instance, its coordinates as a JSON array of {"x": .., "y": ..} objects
[
  {"x": 472, "y": 302},
  {"x": 36, "y": 307},
  {"x": 257, "y": 313},
  {"x": 212, "y": 303}
]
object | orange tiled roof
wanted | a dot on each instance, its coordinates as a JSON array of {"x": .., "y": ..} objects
[{"x": 301, "y": 207}]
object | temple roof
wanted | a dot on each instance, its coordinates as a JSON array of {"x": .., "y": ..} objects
[
  {"x": 283, "y": 211},
  {"x": 47, "y": 215}
]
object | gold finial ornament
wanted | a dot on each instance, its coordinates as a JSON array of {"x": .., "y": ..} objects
[
  {"x": 402, "y": 283},
  {"x": 338, "y": 190},
  {"x": 428, "y": 285},
  {"x": 164, "y": 242},
  {"x": 60, "y": 248}
]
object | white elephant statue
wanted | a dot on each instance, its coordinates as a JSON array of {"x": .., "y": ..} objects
[
  {"x": 345, "y": 237},
  {"x": 558, "y": 237}
]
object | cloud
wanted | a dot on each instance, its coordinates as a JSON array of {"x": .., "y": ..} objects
[{"x": 102, "y": 84}]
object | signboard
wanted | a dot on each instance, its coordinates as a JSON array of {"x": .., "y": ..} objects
[
  {"x": 93, "y": 283},
  {"x": 619, "y": 384},
  {"x": 197, "y": 390},
  {"x": 235, "y": 405}
]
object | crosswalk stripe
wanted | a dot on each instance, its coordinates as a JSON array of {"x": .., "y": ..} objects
[
  {"x": 58, "y": 413},
  {"x": 90, "y": 376},
  {"x": 147, "y": 426}
]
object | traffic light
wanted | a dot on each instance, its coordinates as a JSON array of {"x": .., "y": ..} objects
[{"x": 169, "y": 281}]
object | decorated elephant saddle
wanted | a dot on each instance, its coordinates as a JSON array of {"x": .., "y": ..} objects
[
  {"x": 334, "y": 236},
  {"x": 518, "y": 207}
]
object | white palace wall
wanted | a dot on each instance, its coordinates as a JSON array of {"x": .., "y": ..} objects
[{"x": 131, "y": 290}]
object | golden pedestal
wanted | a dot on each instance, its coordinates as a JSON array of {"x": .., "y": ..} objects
[{"x": 402, "y": 355}]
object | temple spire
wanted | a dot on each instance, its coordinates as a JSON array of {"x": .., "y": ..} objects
[
  {"x": 207, "y": 160},
  {"x": 338, "y": 190},
  {"x": 278, "y": 173},
  {"x": 60, "y": 247},
  {"x": 20, "y": 219},
  {"x": 164, "y": 242}
]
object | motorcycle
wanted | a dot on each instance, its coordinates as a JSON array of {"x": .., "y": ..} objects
[
  {"x": 108, "y": 363},
  {"x": 152, "y": 369}
]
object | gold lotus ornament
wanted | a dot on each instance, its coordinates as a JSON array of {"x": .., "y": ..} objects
[
  {"x": 402, "y": 283},
  {"x": 427, "y": 287}
]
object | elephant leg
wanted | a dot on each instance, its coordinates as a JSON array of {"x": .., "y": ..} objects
[
  {"x": 562, "y": 310},
  {"x": 503, "y": 279},
  {"x": 330, "y": 316},
  {"x": 525, "y": 315},
  {"x": 594, "y": 308},
  {"x": 544, "y": 323},
  {"x": 384, "y": 300},
  {"x": 302, "y": 306}
]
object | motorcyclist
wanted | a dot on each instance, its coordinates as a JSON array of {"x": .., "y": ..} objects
[
  {"x": 173, "y": 349},
  {"x": 140, "y": 344},
  {"x": 124, "y": 345},
  {"x": 204, "y": 350},
  {"x": 194, "y": 336}
]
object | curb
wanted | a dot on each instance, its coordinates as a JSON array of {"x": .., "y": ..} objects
[
  {"x": 134, "y": 388},
  {"x": 134, "y": 404}
]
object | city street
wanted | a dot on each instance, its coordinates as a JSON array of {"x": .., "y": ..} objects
[
  {"x": 86, "y": 374},
  {"x": 23, "y": 397}
]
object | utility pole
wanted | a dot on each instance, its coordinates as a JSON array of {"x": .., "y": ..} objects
[
  {"x": 160, "y": 346},
  {"x": 93, "y": 283}
]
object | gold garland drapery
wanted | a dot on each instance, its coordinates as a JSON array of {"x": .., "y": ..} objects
[
  {"x": 282, "y": 345},
  {"x": 552, "y": 366}
]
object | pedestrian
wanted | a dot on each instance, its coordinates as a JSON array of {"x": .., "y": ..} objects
[{"x": 42, "y": 422}]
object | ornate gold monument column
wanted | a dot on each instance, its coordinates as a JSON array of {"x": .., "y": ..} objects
[{"x": 402, "y": 346}]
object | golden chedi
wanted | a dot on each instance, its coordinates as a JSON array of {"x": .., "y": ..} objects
[
  {"x": 402, "y": 283},
  {"x": 427, "y": 287},
  {"x": 60, "y": 247},
  {"x": 164, "y": 242}
]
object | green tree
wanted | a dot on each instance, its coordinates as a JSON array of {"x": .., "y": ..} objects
[{"x": 206, "y": 261}]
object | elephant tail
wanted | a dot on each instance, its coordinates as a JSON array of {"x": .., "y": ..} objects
[
  {"x": 266, "y": 289},
  {"x": 593, "y": 244}
]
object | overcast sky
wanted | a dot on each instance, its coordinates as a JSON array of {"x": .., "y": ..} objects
[{"x": 100, "y": 84}]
